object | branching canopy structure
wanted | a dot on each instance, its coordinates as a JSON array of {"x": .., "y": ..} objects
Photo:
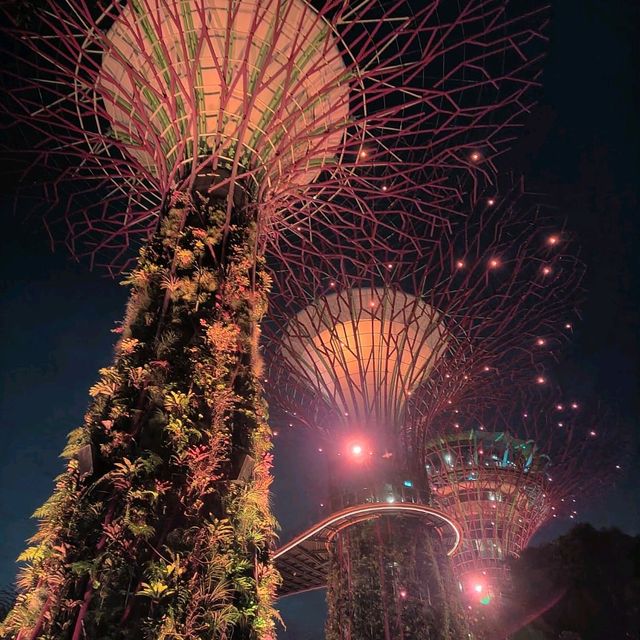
[
  {"x": 372, "y": 351},
  {"x": 506, "y": 471},
  {"x": 295, "y": 109},
  {"x": 384, "y": 345}
]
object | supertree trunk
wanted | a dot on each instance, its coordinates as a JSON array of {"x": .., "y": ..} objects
[
  {"x": 160, "y": 524},
  {"x": 390, "y": 580}
]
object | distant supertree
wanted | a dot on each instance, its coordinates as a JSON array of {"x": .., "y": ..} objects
[
  {"x": 505, "y": 471},
  {"x": 370, "y": 353},
  {"x": 216, "y": 131}
]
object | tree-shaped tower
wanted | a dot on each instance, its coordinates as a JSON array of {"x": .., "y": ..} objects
[
  {"x": 504, "y": 473},
  {"x": 211, "y": 132},
  {"x": 374, "y": 353}
]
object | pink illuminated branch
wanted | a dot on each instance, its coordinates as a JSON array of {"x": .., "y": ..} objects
[{"x": 120, "y": 106}]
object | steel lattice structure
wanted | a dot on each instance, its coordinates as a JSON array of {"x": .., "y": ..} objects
[
  {"x": 372, "y": 352},
  {"x": 506, "y": 471},
  {"x": 383, "y": 346},
  {"x": 301, "y": 112}
]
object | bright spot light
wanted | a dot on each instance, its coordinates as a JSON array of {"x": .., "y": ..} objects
[
  {"x": 332, "y": 284},
  {"x": 390, "y": 499},
  {"x": 592, "y": 434},
  {"x": 384, "y": 187},
  {"x": 475, "y": 156},
  {"x": 574, "y": 405},
  {"x": 275, "y": 433},
  {"x": 541, "y": 342},
  {"x": 403, "y": 593},
  {"x": 460, "y": 264},
  {"x": 356, "y": 450},
  {"x": 486, "y": 368},
  {"x": 491, "y": 202},
  {"x": 559, "y": 407},
  {"x": 546, "y": 270},
  {"x": 478, "y": 588},
  {"x": 363, "y": 154},
  {"x": 494, "y": 263},
  {"x": 567, "y": 326},
  {"x": 553, "y": 240},
  {"x": 541, "y": 380},
  {"x": 320, "y": 449}
]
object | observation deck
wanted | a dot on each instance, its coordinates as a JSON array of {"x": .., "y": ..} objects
[{"x": 304, "y": 561}]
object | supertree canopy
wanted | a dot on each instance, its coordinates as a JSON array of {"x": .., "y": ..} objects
[
  {"x": 217, "y": 130},
  {"x": 371, "y": 352},
  {"x": 283, "y": 105},
  {"x": 502, "y": 473}
]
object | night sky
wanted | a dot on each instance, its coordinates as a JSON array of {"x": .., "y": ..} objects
[{"x": 581, "y": 147}]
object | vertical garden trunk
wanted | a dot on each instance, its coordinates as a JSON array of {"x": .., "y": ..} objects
[
  {"x": 159, "y": 527},
  {"x": 390, "y": 579}
]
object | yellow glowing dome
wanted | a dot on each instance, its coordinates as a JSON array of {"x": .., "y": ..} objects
[
  {"x": 259, "y": 81},
  {"x": 364, "y": 351}
]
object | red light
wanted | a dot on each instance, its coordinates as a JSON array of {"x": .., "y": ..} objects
[
  {"x": 553, "y": 240},
  {"x": 356, "y": 450},
  {"x": 475, "y": 156},
  {"x": 546, "y": 270},
  {"x": 494, "y": 263},
  {"x": 403, "y": 593},
  {"x": 460, "y": 264}
]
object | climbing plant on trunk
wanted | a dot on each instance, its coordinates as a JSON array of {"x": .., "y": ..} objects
[{"x": 159, "y": 527}]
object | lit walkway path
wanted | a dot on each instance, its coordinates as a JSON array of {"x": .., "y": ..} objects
[{"x": 304, "y": 561}]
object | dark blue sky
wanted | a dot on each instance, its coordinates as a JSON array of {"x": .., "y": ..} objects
[{"x": 581, "y": 146}]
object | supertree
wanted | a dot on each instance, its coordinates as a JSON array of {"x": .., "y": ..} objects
[
  {"x": 369, "y": 353},
  {"x": 216, "y": 131},
  {"x": 502, "y": 473}
]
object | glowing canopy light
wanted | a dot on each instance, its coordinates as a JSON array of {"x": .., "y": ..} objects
[
  {"x": 266, "y": 71},
  {"x": 364, "y": 350}
]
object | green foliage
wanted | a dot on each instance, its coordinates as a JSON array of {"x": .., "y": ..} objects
[
  {"x": 391, "y": 578},
  {"x": 159, "y": 542}
]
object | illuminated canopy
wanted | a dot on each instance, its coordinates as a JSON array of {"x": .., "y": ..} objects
[
  {"x": 266, "y": 72},
  {"x": 364, "y": 351},
  {"x": 496, "y": 486}
]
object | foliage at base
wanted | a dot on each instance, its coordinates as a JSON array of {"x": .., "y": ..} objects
[{"x": 391, "y": 579}]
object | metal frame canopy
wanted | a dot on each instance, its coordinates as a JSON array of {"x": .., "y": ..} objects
[
  {"x": 519, "y": 466},
  {"x": 304, "y": 561},
  {"x": 270, "y": 90},
  {"x": 364, "y": 351},
  {"x": 497, "y": 486},
  {"x": 311, "y": 112}
]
